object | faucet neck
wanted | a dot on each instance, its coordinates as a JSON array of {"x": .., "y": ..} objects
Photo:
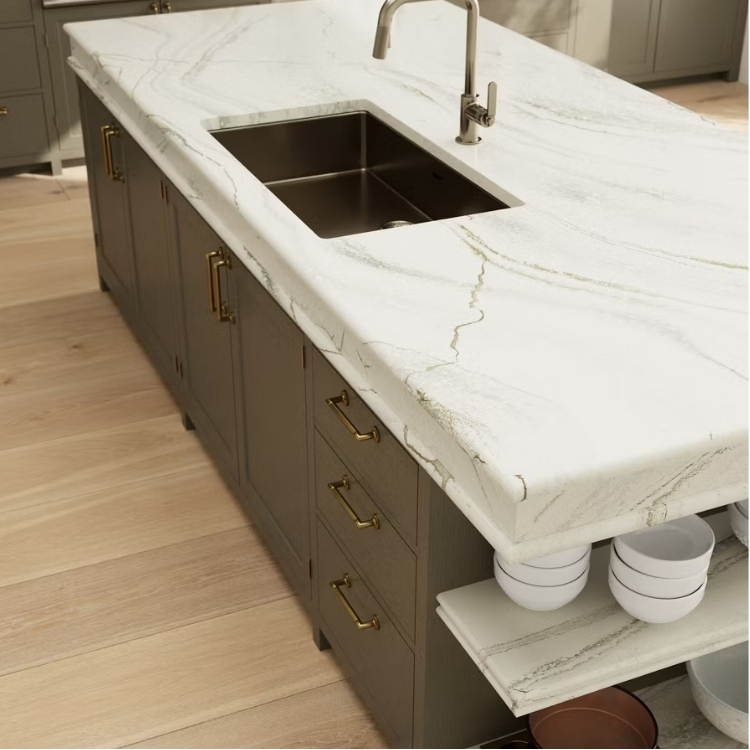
[{"x": 472, "y": 23}]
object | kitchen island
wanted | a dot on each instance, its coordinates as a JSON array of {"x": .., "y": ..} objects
[{"x": 564, "y": 370}]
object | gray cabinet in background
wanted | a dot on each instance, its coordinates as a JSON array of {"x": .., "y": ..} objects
[{"x": 653, "y": 40}]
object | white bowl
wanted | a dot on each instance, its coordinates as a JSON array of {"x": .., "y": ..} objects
[
  {"x": 560, "y": 559},
  {"x": 651, "y": 609},
  {"x": 742, "y": 505},
  {"x": 739, "y": 523},
  {"x": 661, "y": 588},
  {"x": 545, "y": 576},
  {"x": 673, "y": 549},
  {"x": 540, "y": 598},
  {"x": 719, "y": 685}
]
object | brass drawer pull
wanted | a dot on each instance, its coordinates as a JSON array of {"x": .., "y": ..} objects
[
  {"x": 108, "y": 132},
  {"x": 209, "y": 278},
  {"x": 4, "y": 111},
  {"x": 344, "y": 399},
  {"x": 346, "y": 581},
  {"x": 223, "y": 315},
  {"x": 154, "y": 7},
  {"x": 167, "y": 7},
  {"x": 334, "y": 487}
]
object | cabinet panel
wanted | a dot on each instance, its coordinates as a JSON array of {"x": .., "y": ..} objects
[
  {"x": 109, "y": 196},
  {"x": 13, "y": 11},
  {"x": 64, "y": 89},
  {"x": 178, "y": 6},
  {"x": 19, "y": 65},
  {"x": 22, "y": 128},
  {"x": 273, "y": 424},
  {"x": 633, "y": 38},
  {"x": 528, "y": 16},
  {"x": 154, "y": 274},
  {"x": 207, "y": 376},
  {"x": 696, "y": 33}
]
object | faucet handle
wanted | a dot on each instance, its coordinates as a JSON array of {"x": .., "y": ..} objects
[{"x": 491, "y": 104}]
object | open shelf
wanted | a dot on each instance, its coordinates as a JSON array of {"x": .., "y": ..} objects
[{"x": 538, "y": 659}]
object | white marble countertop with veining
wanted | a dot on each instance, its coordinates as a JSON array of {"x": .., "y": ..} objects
[{"x": 568, "y": 369}]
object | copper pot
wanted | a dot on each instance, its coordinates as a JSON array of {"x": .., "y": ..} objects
[{"x": 609, "y": 718}]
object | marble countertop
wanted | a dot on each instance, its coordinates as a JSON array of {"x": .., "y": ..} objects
[{"x": 568, "y": 369}]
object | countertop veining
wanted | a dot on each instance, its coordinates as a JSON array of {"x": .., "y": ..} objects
[{"x": 567, "y": 369}]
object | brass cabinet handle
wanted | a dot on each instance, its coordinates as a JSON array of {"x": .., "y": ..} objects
[
  {"x": 167, "y": 7},
  {"x": 154, "y": 7},
  {"x": 223, "y": 315},
  {"x": 334, "y": 402},
  {"x": 4, "y": 111},
  {"x": 346, "y": 581},
  {"x": 334, "y": 487},
  {"x": 209, "y": 278},
  {"x": 109, "y": 132}
]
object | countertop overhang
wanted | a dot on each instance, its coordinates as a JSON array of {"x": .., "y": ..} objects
[{"x": 567, "y": 369}]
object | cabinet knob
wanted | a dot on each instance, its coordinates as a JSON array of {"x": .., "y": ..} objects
[
  {"x": 167, "y": 7},
  {"x": 4, "y": 111},
  {"x": 154, "y": 7}
]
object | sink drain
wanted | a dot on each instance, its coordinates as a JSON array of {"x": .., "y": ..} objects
[{"x": 395, "y": 224}]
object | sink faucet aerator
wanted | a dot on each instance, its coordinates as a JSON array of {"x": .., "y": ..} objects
[{"x": 473, "y": 113}]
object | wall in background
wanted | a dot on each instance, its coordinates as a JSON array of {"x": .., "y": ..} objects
[{"x": 743, "y": 64}]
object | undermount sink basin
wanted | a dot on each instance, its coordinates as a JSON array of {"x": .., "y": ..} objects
[{"x": 351, "y": 173}]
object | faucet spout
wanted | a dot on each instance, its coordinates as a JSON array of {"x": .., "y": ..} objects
[{"x": 472, "y": 113}]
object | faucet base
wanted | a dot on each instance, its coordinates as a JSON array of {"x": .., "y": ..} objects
[{"x": 460, "y": 140}]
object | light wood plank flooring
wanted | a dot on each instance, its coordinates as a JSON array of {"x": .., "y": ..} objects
[{"x": 137, "y": 605}]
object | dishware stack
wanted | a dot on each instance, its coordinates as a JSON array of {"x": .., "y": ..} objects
[
  {"x": 738, "y": 519},
  {"x": 658, "y": 574},
  {"x": 548, "y": 582}
]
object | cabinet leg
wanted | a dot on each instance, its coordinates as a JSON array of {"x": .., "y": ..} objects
[
  {"x": 103, "y": 285},
  {"x": 187, "y": 423},
  {"x": 56, "y": 167},
  {"x": 320, "y": 640}
]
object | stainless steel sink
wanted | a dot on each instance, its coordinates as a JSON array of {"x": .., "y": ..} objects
[{"x": 351, "y": 173}]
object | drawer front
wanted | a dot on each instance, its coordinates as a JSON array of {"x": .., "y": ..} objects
[
  {"x": 381, "y": 554},
  {"x": 22, "y": 126},
  {"x": 19, "y": 66},
  {"x": 14, "y": 11},
  {"x": 387, "y": 472},
  {"x": 382, "y": 660}
]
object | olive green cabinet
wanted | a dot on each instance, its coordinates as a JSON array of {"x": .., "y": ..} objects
[
  {"x": 206, "y": 330},
  {"x": 111, "y": 213},
  {"x": 654, "y": 40},
  {"x": 270, "y": 379},
  {"x": 156, "y": 288}
]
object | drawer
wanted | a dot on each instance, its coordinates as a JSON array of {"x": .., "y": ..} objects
[
  {"x": 23, "y": 131},
  {"x": 19, "y": 66},
  {"x": 387, "y": 472},
  {"x": 14, "y": 11},
  {"x": 381, "y": 554},
  {"x": 380, "y": 657}
]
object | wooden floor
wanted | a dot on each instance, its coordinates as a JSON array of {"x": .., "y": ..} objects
[{"x": 137, "y": 606}]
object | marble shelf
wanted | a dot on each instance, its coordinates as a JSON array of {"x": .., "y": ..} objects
[{"x": 538, "y": 659}]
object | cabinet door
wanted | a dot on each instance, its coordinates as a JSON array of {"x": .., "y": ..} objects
[
  {"x": 696, "y": 34},
  {"x": 64, "y": 89},
  {"x": 206, "y": 343},
  {"x": 178, "y": 6},
  {"x": 632, "y": 43},
  {"x": 154, "y": 275},
  {"x": 109, "y": 200},
  {"x": 273, "y": 431}
]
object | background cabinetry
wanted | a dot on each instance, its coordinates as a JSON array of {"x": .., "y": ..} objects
[{"x": 661, "y": 39}]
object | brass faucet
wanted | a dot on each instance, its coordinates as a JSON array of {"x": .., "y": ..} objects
[{"x": 473, "y": 113}]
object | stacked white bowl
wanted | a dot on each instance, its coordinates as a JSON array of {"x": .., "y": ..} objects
[
  {"x": 658, "y": 574},
  {"x": 738, "y": 519},
  {"x": 548, "y": 582}
]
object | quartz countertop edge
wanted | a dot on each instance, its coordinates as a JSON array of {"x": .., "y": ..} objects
[{"x": 546, "y": 364}]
